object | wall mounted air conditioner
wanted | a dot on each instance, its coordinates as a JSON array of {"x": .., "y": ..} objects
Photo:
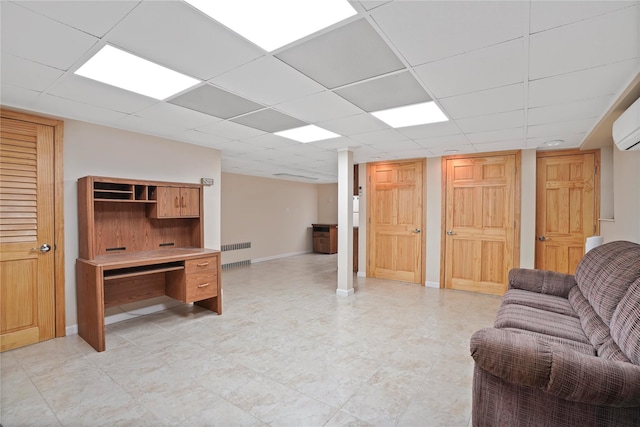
[{"x": 626, "y": 129}]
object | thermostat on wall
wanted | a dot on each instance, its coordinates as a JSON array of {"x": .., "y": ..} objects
[{"x": 206, "y": 181}]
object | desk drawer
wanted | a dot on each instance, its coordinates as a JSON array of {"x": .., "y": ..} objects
[
  {"x": 321, "y": 234},
  {"x": 201, "y": 264},
  {"x": 201, "y": 285}
]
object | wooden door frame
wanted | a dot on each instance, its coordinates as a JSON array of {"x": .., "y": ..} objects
[
  {"x": 517, "y": 200},
  {"x": 596, "y": 184},
  {"x": 423, "y": 240},
  {"x": 58, "y": 211}
]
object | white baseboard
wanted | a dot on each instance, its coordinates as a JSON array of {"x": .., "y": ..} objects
[
  {"x": 344, "y": 292},
  {"x": 362, "y": 274},
  {"x": 269, "y": 258},
  {"x": 432, "y": 284},
  {"x": 71, "y": 330}
]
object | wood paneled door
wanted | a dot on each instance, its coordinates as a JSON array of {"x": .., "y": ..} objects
[
  {"x": 567, "y": 207},
  {"x": 481, "y": 220},
  {"x": 28, "y": 303},
  {"x": 396, "y": 216}
]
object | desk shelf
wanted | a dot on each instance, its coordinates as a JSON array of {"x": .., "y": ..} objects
[{"x": 139, "y": 271}]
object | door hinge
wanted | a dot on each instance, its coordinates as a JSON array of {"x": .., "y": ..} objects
[
  {"x": 594, "y": 229},
  {"x": 595, "y": 170}
]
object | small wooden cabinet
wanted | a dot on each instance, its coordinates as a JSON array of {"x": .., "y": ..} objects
[
  {"x": 176, "y": 202},
  {"x": 138, "y": 240},
  {"x": 325, "y": 238}
]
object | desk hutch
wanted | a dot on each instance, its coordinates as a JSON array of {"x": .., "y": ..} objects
[{"x": 139, "y": 240}]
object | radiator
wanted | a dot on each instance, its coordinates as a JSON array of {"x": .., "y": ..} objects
[{"x": 236, "y": 255}]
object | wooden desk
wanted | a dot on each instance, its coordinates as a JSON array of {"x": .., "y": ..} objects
[{"x": 186, "y": 274}]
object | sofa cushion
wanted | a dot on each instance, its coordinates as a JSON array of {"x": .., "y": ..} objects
[
  {"x": 535, "y": 320},
  {"x": 592, "y": 325},
  {"x": 605, "y": 273},
  {"x": 543, "y": 302},
  {"x": 625, "y": 323},
  {"x": 610, "y": 350}
]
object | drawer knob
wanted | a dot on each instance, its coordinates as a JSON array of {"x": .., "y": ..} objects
[
  {"x": 204, "y": 285},
  {"x": 203, "y": 264}
]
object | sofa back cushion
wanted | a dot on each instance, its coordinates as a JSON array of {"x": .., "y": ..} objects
[
  {"x": 625, "y": 323},
  {"x": 605, "y": 273}
]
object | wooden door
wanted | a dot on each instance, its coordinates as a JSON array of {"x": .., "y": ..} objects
[
  {"x": 395, "y": 239},
  {"x": 480, "y": 200},
  {"x": 189, "y": 201},
  {"x": 27, "y": 276},
  {"x": 566, "y": 208}
]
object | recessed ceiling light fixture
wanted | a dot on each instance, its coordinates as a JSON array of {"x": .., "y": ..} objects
[
  {"x": 118, "y": 68},
  {"x": 554, "y": 142},
  {"x": 273, "y": 24},
  {"x": 307, "y": 133},
  {"x": 412, "y": 115}
]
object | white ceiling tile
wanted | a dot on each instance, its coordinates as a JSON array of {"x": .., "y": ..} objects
[
  {"x": 460, "y": 149},
  {"x": 75, "y": 110},
  {"x": 353, "y": 125},
  {"x": 570, "y": 140},
  {"x": 102, "y": 95},
  {"x": 267, "y": 80},
  {"x": 593, "y": 107},
  {"x": 237, "y": 147},
  {"x": 594, "y": 82},
  {"x": 550, "y": 14},
  {"x": 496, "y": 135},
  {"x": 395, "y": 146},
  {"x": 53, "y": 44},
  {"x": 501, "y": 146},
  {"x": 494, "y": 66},
  {"x": 430, "y": 130},
  {"x": 269, "y": 140},
  {"x": 344, "y": 55},
  {"x": 499, "y": 100},
  {"x": 414, "y": 154},
  {"x": 17, "y": 96},
  {"x": 180, "y": 37},
  {"x": 379, "y": 137},
  {"x": 182, "y": 117},
  {"x": 371, "y": 4},
  {"x": 335, "y": 144},
  {"x": 200, "y": 138},
  {"x": 555, "y": 129},
  {"x": 151, "y": 127},
  {"x": 230, "y": 130},
  {"x": 510, "y": 119},
  {"x": 319, "y": 107},
  {"x": 93, "y": 17},
  {"x": 606, "y": 39},
  {"x": 27, "y": 74},
  {"x": 443, "y": 142},
  {"x": 425, "y": 31}
]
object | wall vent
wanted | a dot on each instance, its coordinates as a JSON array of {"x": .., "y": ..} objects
[
  {"x": 236, "y": 255},
  {"x": 236, "y": 264}
]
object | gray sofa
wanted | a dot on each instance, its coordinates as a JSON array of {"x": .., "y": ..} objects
[{"x": 564, "y": 350}]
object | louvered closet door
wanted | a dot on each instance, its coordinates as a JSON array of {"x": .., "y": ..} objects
[{"x": 27, "y": 299}]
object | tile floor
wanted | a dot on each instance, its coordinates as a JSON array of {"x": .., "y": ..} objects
[{"x": 286, "y": 352}]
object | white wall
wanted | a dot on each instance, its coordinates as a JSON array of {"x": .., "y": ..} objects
[
  {"x": 328, "y": 204},
  {"x": 434, "y": 228},
  {"x": 528, "y": 208},
  {"x": 626, "y": 198},
  {"x": 274, "y": 215},
  {"x": 97, "y": 150}
]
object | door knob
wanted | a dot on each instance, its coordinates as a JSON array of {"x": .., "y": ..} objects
[
  {"x": 43, "y": 248},
  {"x": 451, "y": 233},
  {"x": 542, "y": 238},
  {"x": 417, "y": 230}
]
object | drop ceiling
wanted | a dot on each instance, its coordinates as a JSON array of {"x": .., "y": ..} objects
[{"x": 508, "y": 75}]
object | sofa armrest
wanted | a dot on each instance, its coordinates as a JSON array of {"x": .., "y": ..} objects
[
  {"x": 541, "y": 281},
  {"x": 570, "y": 375}
]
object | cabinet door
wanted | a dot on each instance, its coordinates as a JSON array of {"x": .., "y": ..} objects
[
  {"x": 190, "y": 202},
  {"x": 168, "y": 202}
]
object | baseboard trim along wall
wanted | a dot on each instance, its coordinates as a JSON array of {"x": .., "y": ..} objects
[
  {"x": 269, "y": 258},
  {"x": 432, "y": 284}
]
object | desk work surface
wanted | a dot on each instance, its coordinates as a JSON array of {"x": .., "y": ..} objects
[{"x": 121, "y": 260}]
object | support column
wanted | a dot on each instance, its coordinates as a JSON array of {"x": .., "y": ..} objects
[{"x": 345, "y": 223}]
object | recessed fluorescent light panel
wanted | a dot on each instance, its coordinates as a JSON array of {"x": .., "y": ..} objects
[
  {"x": 118, "y": 68},
  {"x": 308, "y": 133},
  {"x": 412, "y": 115},
  {"x": 273, "y": 24}
]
